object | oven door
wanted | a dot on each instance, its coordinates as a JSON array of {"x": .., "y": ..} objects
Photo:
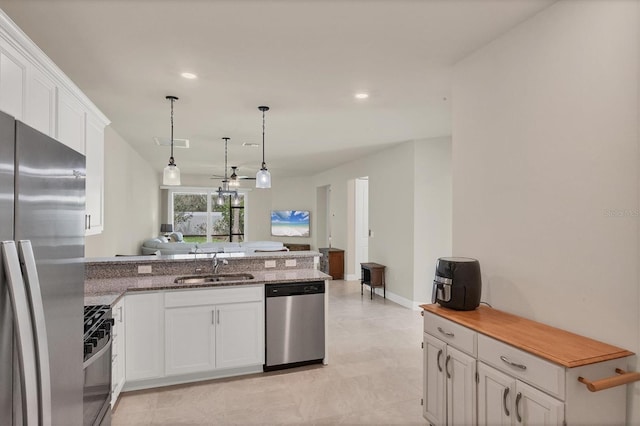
[{"x": 97, "y": 385}]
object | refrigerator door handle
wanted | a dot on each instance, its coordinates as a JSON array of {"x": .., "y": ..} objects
[
  {"x": 23, "y": 332},
  {"x": 32, "y": 283}
]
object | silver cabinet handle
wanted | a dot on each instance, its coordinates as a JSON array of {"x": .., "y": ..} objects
[
  {"x": 446, "y": 366},
  {"x": 89, "y": 221},
  {"x": 513, "y": 364},
  {"x": 439, "y": 356},
  {"x": 23, "y": 332},
  {"x": 518, "y": 398},
  {"x": 504, "y": 401},
  {"x": 32, "y": 284},
  {"x": 446, "y": 333},
  {"x": 120, "y": 314},
  {"x": 213, "y": 317},
  {"x": 218, "y": 311}
]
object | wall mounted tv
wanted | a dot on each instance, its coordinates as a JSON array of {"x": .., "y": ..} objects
[{"x": 290, "y": 223}]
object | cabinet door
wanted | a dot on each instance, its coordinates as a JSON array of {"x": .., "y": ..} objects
[
  {"x": 118, "y": 352},
  {"x": 537, "y": 408},
  {"x": 434, "y": 390},
  {"x": 144, "y": 337},
  {"x": 190, "y": 339},
  {"x": 41, "y": 102},
  {"x": 239, "y": 335},
  {"x": 71, "y": 121},
  {"x": 94, "y": 151},
  {"x": 13, "y": 78},
  {"x": 496, "y": 396},
  {"x": 460, "y": 369}
]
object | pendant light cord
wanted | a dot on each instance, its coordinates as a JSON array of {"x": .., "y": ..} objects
[
  {"x": 263, "y": 139},
  {"x": 172, "y": 99},
  {"x": 263, "y": 109},
  {"x": 171, "y": 159}
]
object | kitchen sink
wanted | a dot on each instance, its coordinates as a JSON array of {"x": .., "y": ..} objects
[{"x": 206, "y": 279}]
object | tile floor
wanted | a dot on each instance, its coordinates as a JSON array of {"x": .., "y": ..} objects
[{"x": 373, "y": 378}]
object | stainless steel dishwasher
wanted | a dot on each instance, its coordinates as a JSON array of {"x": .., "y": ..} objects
[{"x": 294, "y": 324}]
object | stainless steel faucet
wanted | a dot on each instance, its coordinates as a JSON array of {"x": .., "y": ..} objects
[{"x": 216, "y": 263}]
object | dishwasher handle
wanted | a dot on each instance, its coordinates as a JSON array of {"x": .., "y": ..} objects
[{"x": 294, "y": 289}]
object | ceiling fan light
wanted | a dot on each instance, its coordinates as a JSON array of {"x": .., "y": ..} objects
[
  {"x": 171, "y": 175},
  {"x": 236, "y": 199},
  {"x": 263, "y": 178}
]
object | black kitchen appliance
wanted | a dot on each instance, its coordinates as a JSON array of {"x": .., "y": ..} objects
[{"x": 457, "y": 283}]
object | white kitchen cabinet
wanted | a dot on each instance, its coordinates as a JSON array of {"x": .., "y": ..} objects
[
  {"x": 35, "y": 91},
  {"x": 527, "y": 372},
  {"x": 506, "y": 401},
  {"x": 94, "y": 185},
  {"x": 144, "y": 336},
  {"x": 449, "y": 386},
  {"x": 203, "y": 338},
  {"x": 239, "y": 334},
  {"x": 118, "y": 351},
  {"x": 13, "y": 79},
  {"x": 71, "y": 121},
  {"x": 181, "y": 336},
  {"x": 41, "y": 103},
  {"x": 190, "y": 339},
  {"x": 214, "y": 329}
]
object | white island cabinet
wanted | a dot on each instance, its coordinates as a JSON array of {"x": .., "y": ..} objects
[
  {"x": 513, "y": 371},
  {"x": 213, "y": 328},
  {"x": 179, "y": 336}
]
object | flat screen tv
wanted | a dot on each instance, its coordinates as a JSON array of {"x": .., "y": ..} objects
[{"x": 290, "y": 223}]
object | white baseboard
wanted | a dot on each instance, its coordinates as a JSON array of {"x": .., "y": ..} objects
[
  {"x": 402, "y": 301},
  {"x": 353, "y": 277}
]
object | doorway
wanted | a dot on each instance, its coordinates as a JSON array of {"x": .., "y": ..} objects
[{"x": 361, "y": 222}]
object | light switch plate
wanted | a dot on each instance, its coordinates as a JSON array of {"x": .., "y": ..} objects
[
  {"x": 269, "y": 263},
  {"x": 144, "y": 269},
  {"x": 290, "y": 262}
]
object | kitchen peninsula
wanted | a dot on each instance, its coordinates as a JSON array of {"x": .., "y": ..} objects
[{"x": 210, "y": 325}]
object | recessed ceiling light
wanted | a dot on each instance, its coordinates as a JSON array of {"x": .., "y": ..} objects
[
  {"x": 189, "y": 75},
  {"x": 251, "y": 145},
  {"x": 361, "y": 95}
]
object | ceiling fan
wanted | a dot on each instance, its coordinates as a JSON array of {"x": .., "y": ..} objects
[{"x": 234, "y": 179}]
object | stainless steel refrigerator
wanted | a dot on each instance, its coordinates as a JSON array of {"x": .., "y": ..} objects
[{"x": 42, "y": 199}]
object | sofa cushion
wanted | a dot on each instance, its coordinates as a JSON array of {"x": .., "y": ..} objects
[{"x": 176, "y": 237}]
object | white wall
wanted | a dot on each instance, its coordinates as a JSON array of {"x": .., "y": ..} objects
[
  {"x": 131, "y": 200},
  {"x": 402, "y": 182},
  {"x": 545, "y": 170},
  {"x": 432, "y": 212}
]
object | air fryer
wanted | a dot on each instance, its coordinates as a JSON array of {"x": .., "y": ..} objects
[{"x": 457, "y": 283}]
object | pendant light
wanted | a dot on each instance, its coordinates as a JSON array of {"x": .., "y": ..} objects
[
  {"x": 171, "y": 175},
  {"x": 263, "y": 177},
  {"x": 224, "y": 189}
]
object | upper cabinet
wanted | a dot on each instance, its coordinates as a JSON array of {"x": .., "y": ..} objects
[{"x": 35, "y": 91}]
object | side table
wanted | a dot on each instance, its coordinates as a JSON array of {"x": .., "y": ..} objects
[{"x": 372, "y": 274}]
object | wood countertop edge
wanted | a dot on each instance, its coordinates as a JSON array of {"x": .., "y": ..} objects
[{"x": 613, "y": 352}]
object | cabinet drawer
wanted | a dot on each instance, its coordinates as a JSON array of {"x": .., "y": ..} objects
[
  {"x": 454, "y": 334},
  {"x": 213, "y": 296},
  {"x": 544, "y": 375}
]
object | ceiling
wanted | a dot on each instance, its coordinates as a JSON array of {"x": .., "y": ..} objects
[{"x": 305, "y": 59}]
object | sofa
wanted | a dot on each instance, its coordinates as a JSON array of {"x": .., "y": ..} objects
[{"x": 175, "y": 245}]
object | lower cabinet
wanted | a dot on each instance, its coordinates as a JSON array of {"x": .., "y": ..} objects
[
  {"x": 503, "y": 400},
  {"x": 117, "y": 351},
  {"x": 144, "y": 336},
  {"x": 449, "y": 387},
  {"x": 186, "y": 335},
  {"x": 471, "y": 378},
  {"x": 202, "y": 338}
]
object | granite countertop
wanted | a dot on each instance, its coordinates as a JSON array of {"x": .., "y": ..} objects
[{"x": 107, "y": 291}]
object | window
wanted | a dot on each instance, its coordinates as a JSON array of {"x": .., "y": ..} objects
[{"x": 197, "y": 216}]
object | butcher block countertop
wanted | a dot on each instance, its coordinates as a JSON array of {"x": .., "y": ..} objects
[{"x": 553, "y": 344}]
